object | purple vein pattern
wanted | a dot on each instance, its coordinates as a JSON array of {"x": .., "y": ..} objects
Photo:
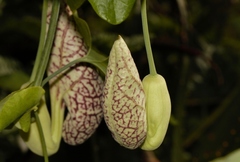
[
  {"x": 79, "y": 88},
  {"x": 123, "y": 98}
]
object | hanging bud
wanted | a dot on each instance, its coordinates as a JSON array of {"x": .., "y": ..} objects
[
  {"x": 52, "y": 138},
  {"x": 123, "y": 98},
  {"x": 79, "y": 88},
  {"x": 158, "y": 109}
]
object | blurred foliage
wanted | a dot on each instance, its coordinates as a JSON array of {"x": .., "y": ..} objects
[{"x": 196, "y": 48}]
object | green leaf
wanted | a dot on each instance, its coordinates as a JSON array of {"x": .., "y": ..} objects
[
  {"x": 17, "y": 103},
  {"x": 25, "y": 121},
  {"x": 83, "y": 29},
  {"x": 96, "y": 59},
  {"x": 74, "y": 4},
  {"x": 113, "y": 11}
]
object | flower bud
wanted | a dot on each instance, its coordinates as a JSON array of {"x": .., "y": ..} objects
[
  {"x": 32, "y": 138},
  {"x": 123, "y": 98},
  {"x": 158, "y": 109},
  {"x": 79, "y": 88}
]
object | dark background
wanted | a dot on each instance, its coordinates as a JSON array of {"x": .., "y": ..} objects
[{"x": 196, "y": 48}]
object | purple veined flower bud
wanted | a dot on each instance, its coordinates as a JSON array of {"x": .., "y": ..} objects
[
  {"x": 123, "y": 98},
  {"x": 79, "y": 88}
]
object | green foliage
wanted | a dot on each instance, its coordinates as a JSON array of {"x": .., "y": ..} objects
[
  {"x": 113, "y": 11},
  {"x": 74, "y": 4},
  {"x": 97, "y": 59},
  {"x": 25, "y": 121},
  {"x": 17, "y": 103},
  {"x": 83, "y": 29}
]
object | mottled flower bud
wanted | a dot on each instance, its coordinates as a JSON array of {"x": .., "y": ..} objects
[
  {"x": 79, "y": 88},
  {"x": 158, "y": 108},
  {"x": 123, "y": 98}
]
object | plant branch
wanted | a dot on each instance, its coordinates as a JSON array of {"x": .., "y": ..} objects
[
  {"x": 147, "y": 38},
  {"x": 44, "y": 55},
  {"x": 42, "y": 139},
  {"x": 92, "y": 57},
  {"x": 41, "y": 41},
  {"x": 42, "y": 58}
]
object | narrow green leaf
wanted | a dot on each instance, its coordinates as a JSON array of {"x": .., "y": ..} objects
[
  {"x": 25, "y": 121},
  {"x": 83, "y": 29},
  {"x": 74, "y": 4},
  {"x": 113, "y": 11},
  {"x": 97, "y": 59},
  {"x": 17, "y": 103}
]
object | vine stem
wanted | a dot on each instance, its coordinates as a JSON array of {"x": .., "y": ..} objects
[
  {"x": 91, "y": 57},
  {"x": 147, "y": 42},
  {"x": 61, "y": 70},
  {"x": 41, "y": 41},
  {"x": 44, "y": 51},
  {"x": 42, "y": 139}
]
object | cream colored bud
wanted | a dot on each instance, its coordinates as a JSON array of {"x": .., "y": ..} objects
[
  {"x": 123, "y": 98},
  {"x": 158, "y": 109}
]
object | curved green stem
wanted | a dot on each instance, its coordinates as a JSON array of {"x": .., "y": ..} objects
[
  {"x": 45, "y": 52},
  {"x": 41, "y": 41},
  {"x": 147, "y": 38},
  {"x": 42, "y": 139},
  {"x": 72, "y": 63},
  {"x": 42, "y": 58},
  {"x": 60, "y": 70},
  {"x": 92, "y": 57}
]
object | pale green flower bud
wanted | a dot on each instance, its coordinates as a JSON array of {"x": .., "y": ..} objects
[
  {"x": 52, "y": 137},
  {"x": 158, "y": 109}
]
